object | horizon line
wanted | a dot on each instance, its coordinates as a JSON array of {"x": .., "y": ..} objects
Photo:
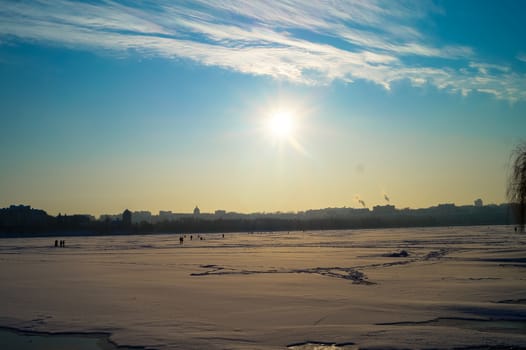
[{"x": 258, "y": 212}]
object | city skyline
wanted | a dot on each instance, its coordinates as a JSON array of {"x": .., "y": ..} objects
[
  {"x": 220, "y": 211},
  {"x": 258, "y": 106},
  {"x": 20, "y": 219}
]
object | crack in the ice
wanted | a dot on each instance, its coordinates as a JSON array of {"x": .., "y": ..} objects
[
  {"x": 347, "y": 273},
  {"x": 499, "y": 325}
]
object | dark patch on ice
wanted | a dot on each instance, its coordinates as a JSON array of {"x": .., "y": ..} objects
[
  {"x": 400, "y": 254},
  {"x": 214, "y": 270},
  {"x": 207, "y": 266},
  {"x": 436, "y": 254},
  {"x": 505, "y": 260},
  {"x": 512, "y": 301},
  {"x": 482, "y": 325},
  {"x": 494, "y": 313},
  {"x": 347, "y": 273},
  {"x": 104, "y": 341}
]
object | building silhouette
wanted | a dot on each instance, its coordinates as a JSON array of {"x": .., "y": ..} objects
[{"x": 127, "y": 218}]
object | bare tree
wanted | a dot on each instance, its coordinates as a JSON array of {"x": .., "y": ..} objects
[{"x": 517, "y": 183}]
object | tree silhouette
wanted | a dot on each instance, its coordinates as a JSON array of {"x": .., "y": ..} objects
[{"x": 517, "y": 183}]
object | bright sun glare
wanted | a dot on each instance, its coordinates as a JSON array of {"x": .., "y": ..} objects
[
  {"x": 282, "y": 127},
  {"x": 281, "y": 124}
]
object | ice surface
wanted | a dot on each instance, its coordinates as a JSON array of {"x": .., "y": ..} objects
[
  {"x": 457, "y": 287},
  {"x": 23, "y": 340}
]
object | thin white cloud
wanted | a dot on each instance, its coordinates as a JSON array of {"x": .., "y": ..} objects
[{"x": 312, "y": 42}]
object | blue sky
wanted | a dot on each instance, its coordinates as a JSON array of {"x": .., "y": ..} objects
[{"x": 162, "y": 105}]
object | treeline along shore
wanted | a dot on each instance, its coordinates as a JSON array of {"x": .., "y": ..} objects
[{"x": 21, "y": 220}]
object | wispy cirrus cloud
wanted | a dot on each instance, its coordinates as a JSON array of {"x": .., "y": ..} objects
[{"x": 312, "y": 42}]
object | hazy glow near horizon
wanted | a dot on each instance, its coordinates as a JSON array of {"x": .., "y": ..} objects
[{"x": 255, "y": 106}]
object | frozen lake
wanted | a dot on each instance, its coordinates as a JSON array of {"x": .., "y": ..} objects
[{"x": 455, "y": 287}]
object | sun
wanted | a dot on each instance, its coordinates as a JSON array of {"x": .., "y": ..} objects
[{"x": 281, "y": 124}]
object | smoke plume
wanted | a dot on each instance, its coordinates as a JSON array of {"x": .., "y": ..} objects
[{"x": 359, "y": 200}]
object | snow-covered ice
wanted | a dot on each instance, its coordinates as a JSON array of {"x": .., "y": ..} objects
[{"x": 456, "y": 287}]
